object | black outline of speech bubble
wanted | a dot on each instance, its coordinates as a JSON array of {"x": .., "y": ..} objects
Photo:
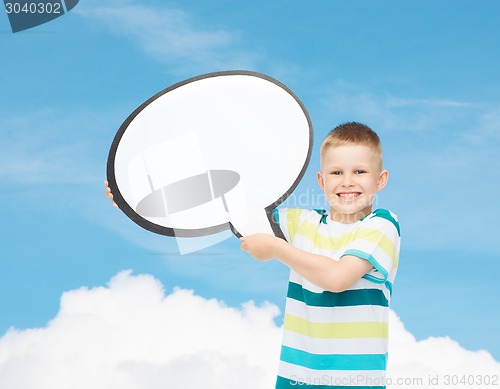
[{"x": 180, "y": 232}]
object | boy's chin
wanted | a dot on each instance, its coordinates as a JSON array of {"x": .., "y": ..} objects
[{"x": 350, "y": 209}]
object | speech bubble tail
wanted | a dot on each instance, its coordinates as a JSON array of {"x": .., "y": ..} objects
[
  {"x": 246, "y": 217},
  {"x": 259, "y": 222}
]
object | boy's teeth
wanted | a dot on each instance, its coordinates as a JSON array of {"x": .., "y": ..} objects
[{"x": 349, "y": 195}]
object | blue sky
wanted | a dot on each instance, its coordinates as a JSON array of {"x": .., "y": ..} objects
[{"x": 423, "y": 74}]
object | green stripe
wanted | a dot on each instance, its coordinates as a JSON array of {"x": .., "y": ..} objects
[
  {"x": 323, "y": 214},
  {"x": 276, "y": 215},
  {"x": 385, "y": 214},
  {"x": 297, "y": 382},
  {"x": 333, "y": 361},
  {"x": 343, "y": 299}
]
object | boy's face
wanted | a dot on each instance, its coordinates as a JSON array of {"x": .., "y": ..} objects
[{"x": 350, "y": 178}]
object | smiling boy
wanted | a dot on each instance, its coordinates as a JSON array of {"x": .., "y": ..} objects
[{"x": 342, "y": 267}]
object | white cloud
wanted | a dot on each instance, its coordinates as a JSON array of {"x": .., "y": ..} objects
[
  {"x": 433, "y": 362},
  {"x": 170, "y": 35},
  {"x": 430, "y": 103},
  {"x": 396, "y": 113},
  {"x": 131, "y": 335}
]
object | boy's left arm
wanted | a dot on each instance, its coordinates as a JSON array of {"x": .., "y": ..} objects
[{"x": 335, "y": 276}]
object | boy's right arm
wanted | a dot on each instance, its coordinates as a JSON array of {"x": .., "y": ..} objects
[
  {"x": 335, "y": 276},
  {"x": 108, "y": 194}
]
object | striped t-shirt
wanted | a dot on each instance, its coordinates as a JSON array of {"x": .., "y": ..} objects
[{"x": 337, "y": 340}]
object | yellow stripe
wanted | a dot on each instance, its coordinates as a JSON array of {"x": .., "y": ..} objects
[
  {"x": 381, "y": 240},
  {"x": 310, "y": 231},
  {"x": 292, "y": 221},
  {"x": 369, "y": 329},
  {"x": 320, "y": 241}
]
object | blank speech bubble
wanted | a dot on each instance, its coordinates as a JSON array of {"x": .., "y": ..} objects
[{"x": 214, "y": 152}]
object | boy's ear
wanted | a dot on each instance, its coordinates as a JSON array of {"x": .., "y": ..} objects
[
  {"x": 321, "y": 181},
  {"x": 382, "y": 180}
]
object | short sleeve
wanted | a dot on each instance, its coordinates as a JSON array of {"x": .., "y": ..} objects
[
  {"x": 288, "y": 219},
  {"x": 377, "y": 240}
]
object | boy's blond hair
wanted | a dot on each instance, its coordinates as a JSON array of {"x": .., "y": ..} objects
[{"x": 352, "y": 133}]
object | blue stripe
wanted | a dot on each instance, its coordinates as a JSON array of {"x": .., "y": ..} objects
[
  {"x": 389, "y": 287},
  {"x": 373, "y": 279},
  {"x": 369, "y": 258},
  {"x": 333, "y": 361},
  {"x": 285, "y": 383}
]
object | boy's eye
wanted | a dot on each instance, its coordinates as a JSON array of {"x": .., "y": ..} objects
[
  {"x": 359, "y": 171},
  {"x": 336, "y": 173}
]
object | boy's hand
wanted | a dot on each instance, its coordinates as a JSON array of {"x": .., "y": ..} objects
[
  {"x": 108, "y": 194},
  {"x": 262, "y": 246}
]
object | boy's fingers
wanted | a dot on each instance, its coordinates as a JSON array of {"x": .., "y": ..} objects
[{"x": 108, "y": 193}]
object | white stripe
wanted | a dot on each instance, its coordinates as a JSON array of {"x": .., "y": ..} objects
[
  {"x": 336, "y": 314},
  {"x": 366, "y": 284},
  {"x": 331, "y": 377},
  {"x": 334, "y": 346}
]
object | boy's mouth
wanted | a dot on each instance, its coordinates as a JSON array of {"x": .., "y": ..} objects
[{"x": 348, "y": 196}]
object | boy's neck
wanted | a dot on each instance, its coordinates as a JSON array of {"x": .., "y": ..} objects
[{"x": 349, "y": 218}]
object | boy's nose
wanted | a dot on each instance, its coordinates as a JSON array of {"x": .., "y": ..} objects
[{"x": 347, "y": 181}]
